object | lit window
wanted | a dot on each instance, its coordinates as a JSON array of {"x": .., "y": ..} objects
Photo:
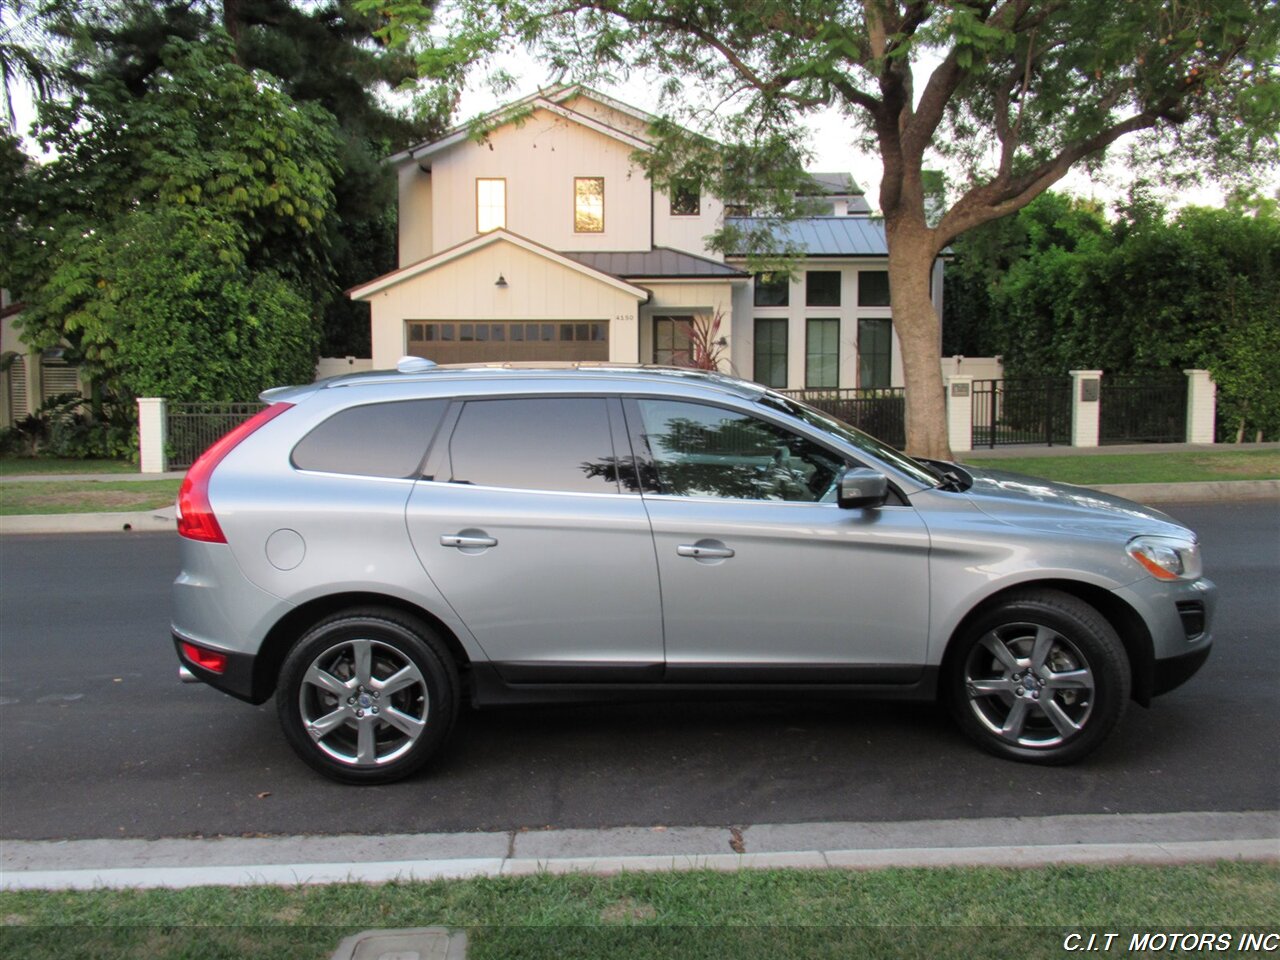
[
  {"x": 491, "y": 205},
  {"x": 588, "y": 204}
]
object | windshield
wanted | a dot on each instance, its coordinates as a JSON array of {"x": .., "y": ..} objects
[{"x": 853, "y": 436}]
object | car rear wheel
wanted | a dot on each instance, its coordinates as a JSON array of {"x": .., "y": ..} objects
[
  {"x": 367, "y": 696},
  {"x": 1042, "y": 677}
]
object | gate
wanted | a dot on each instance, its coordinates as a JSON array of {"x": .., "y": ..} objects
[
  {"x": 194, "y": 427},
  {"x": 879, "y": 411},
  {"x": 1143, "y": 410},
  {"x": 1007, "y": 412}
]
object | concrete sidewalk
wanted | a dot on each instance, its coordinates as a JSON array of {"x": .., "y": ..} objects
[{"x": 1012, "y": 842}]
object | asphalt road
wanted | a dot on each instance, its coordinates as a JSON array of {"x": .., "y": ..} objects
[{"x": 98, "y": 739}]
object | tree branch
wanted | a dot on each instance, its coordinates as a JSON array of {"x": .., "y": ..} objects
[{"x": 994, "y": 200}]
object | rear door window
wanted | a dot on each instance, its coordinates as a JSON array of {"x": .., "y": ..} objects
[
  {"x": 373, "y": 440},
  {"x": 536, "y": 443}
]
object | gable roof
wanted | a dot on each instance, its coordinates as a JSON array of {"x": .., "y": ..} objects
[
  {"x": 552, "y": 100},
  {"x": 395, "y": 277},
  {"x": 660, "y": 263}
]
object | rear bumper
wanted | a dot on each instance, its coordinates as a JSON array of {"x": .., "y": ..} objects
[{"x": 236, "y": 679}]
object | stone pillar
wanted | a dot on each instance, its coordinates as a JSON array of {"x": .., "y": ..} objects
[
  {"x": 960, "y": 413},
  {"x": 1086, "y": 394},
  {"x": 152, "y": 434},
  {"x": 1202, "y": 407}
]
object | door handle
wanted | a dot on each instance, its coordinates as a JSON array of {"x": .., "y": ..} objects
[
  {"x": 458, "y": 540},
  {"x": 703, "y": 551}
]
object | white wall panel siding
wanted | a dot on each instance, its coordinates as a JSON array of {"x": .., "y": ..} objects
[
  {"x": 465, "y": 289},
  {"x": 686, "y": 233},
  {"x": 539, "y": 160},
  {"x": 415, "y": 214}
]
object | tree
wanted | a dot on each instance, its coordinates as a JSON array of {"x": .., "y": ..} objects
[
  {"x": 322, "y": 53},
  {"x": 1022, "y": 91},
  {"x": 211, "y": 163}
]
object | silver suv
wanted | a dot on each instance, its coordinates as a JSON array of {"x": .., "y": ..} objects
[{"x": 378, "y": 549}]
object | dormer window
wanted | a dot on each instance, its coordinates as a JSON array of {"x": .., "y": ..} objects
[
  {"x": 685, "y": 201},
  {"x": 588, "y": 204},
  {"x": 491, "y": 204}
]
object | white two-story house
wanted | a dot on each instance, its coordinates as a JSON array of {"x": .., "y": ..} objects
[{"x": 546, "y": 241}]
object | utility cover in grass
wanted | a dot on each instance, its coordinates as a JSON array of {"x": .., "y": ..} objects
[{"x": 423, "y": 943}]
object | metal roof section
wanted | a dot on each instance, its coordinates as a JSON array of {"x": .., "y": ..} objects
[
  {"x": 832, "y": 185},
  {"x": 660, "y": 263},
  {"x": 825, "y": 236}
]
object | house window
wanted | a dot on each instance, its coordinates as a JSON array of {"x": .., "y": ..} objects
[
  {"x": 822, "y": 354},
  {"x": 875, "y": 352},
  {"x": 685, "y": 200},
  {"x": 671, "y": 341},
  {"x": 588, "y": 204},
  {"x": 771, "y": 351},
  {"x": 772, "y": 289},
  {"x": 873, "y": 288},
  {"x": 822, "y": 288},
  {"x": 491, "y": 204}
]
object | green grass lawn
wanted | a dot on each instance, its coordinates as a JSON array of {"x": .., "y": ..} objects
[
  {"x": 16, "y": 466},
  {"x": 952, "y": 913},
  {"x": 1141, "y": 467},
  {"x": 90, "y": 496}
]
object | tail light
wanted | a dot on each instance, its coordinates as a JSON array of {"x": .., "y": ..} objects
[
  {"x": 195, "y": 514},
  {"x": 211, "y": 660}
]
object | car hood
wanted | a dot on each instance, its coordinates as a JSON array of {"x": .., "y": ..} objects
[{"x": 1065, "y": 508}]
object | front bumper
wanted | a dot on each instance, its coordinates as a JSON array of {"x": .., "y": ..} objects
[{"x": 1171, "y": 673}]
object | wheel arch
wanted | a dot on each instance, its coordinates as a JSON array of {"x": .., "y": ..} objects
[
  {"x": 1124, "y": 619},
  {"x": 287, "y": 630}
]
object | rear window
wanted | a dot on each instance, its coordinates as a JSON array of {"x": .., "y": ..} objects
[
  {"x": 374, "y": 440},
  {"x": 560, "y": 444}
]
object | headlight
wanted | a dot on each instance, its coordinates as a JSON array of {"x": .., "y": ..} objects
[{"x": 1166, "y": 558}]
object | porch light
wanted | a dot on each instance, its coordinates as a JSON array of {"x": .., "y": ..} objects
[{"x": 501, "y": 282}]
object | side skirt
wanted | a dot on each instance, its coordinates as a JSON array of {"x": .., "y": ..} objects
[{"x": 490, "y": 689}]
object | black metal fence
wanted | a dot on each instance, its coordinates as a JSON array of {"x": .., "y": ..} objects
[
  {"x": 194, "y": 427},
  {"x": 1143, "y": 410},
  {"x": 879, "y": 411},
  {"x": 1007, "y": 412}
]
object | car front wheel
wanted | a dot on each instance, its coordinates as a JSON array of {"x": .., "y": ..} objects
[
  {"x": 367, "y": 696},
  {"x": 1042, "y": 677}
]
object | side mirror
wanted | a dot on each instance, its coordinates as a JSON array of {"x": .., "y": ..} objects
[{"x": 862, "y": 487}]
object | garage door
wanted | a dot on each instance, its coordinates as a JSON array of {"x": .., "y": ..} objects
[{"x": 448, "y": 341}]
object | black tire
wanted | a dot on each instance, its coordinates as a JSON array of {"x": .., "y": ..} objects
[
  {"x": 360, "y": 737},
  {"x": 1042, "y": 678}
]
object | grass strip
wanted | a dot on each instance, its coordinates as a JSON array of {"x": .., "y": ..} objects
[
  {"x": 1140, "y": 467},
  {"x": 19, "y": 466},
  {"x": 89, "y": 496},
  {"x": 954, "y": 912}
]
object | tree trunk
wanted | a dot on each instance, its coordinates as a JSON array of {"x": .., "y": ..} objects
[{"x": 919, "y": 332}]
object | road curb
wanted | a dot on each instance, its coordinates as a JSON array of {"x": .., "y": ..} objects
[
  {"x": 1151, "y": 839},
  {"x": 140, "y": 521},
  {"x": 164, "y": 521},
  {"x": 1221, "y": 490}
]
